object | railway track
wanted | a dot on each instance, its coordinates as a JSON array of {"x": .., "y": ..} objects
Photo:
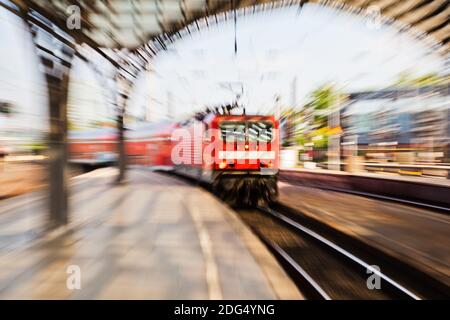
[
  {"x": 317, "y": 258},
  {"x": 324, "y": 269}
]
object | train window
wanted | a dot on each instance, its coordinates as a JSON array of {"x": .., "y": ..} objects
[
  {"x": 260, "y": 131},
  {"x": 232, "y": 131}
]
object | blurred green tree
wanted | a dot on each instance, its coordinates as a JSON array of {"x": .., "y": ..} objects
[
  {"x": 407, "y": 80},
  {"x": 309, "y": 123}
]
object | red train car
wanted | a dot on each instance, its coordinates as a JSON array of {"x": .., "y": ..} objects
[
  {"x": 237, "y": 155},
  {"x": 93, "y": 147},
  {"x": 150, "y": 145}
]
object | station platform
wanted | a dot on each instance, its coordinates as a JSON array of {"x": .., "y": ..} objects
[
  {"x": 435, "y": 181},
  {"x": 432, "y": 193},
  {"x": 418, "y": 237},
  {"x": 155, "y": 237}
]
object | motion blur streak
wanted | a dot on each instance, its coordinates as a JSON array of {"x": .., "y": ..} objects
[{"x": 139, "y": 139}]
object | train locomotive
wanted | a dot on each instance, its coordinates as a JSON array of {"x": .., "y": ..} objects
[{"x": 237, "y": 155}]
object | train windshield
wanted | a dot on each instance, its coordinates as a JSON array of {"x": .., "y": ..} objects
[{"x": 260, "y": 131}]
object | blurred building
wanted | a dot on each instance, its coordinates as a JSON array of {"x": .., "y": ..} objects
[{"x": 387, "y": 124}]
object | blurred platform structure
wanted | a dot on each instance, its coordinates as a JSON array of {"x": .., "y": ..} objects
[
  {"x": 423, "y": 191},
  {"x": 121, "y": 24},
  {"x": 138, "y": 30},
  {"x": 155, "y": 237},
  {"x": 415, "y": 236}
]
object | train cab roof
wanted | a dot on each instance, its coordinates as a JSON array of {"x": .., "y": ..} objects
[{"x": 215, "y": 119}]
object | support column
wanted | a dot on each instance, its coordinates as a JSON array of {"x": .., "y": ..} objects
[
  {"x": 121, "y": 161},
  {"x": 123, "y": 86},
  {"x": 57, "y": 162},
  {"x": 56, "y": 61}
]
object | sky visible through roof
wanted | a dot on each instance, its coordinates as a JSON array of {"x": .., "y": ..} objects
[{"x": 314, "y": 46}]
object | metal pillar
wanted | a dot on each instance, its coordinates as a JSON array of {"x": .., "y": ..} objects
[
  {"x": 124, "y": 87},
  {"x": 56, "y": 60},
  {"x": 57, "y": 164},
  {"x": 122, "y": 161}
]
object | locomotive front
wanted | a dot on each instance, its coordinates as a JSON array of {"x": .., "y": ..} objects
[{"x": 246, "y": 163}]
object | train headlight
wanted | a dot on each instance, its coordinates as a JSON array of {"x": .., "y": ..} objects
[
  {"x": 223, "y": 165},
  {"x": 268, "y": 164}
]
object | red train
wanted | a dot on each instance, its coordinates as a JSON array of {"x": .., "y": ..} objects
[
  {"x": 237, "y": 155},
  {"x": 94, "y": 147}
]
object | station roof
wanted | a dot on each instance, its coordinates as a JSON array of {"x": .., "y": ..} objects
[{"x": 131, "y": 23}]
